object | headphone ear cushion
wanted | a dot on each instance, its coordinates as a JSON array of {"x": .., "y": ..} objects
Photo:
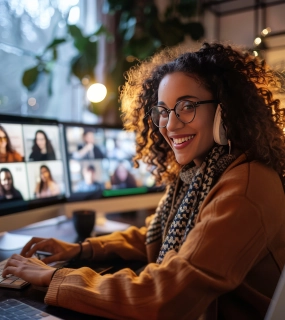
[{"x": 219, "y": 132}]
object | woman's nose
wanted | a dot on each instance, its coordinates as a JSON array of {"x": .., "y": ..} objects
[{"x": 173, "y": 122}]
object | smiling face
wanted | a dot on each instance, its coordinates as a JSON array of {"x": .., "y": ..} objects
[{"x": 191, "y": 141}]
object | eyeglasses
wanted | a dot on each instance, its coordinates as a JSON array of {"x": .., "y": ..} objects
[
  {"x": 185, "y": 111},
  {"x": 3, "y": 138}
]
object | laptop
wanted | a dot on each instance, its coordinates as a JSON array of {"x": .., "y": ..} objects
[
  {"x": 15, "y": 309},
  {"x": 276, "y": 310}
]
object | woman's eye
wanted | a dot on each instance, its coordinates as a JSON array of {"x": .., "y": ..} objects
[
  {"x": 187, "y": 107},
  {"x": 163, "y": 113}
]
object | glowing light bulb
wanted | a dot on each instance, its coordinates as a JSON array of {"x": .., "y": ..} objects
[
  {"x": 255, "y": 53},
  {"x": 265, "y": 31},
  {"x": 96, "y": 92},
  {"x": 257, "y": 41}
]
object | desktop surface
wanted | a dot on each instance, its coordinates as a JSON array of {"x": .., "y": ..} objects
[{"x": 65, "y": 231}]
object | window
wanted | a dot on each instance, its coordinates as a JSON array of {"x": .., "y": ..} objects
[{"x": 26, "y": 28}]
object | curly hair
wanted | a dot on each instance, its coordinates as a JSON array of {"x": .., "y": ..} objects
[{"x": 243, "y": 84}]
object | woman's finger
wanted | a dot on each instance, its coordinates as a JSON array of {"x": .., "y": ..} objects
[
  {"x": 29, "y": 244},
  {"x": 53, "y": 258},
  {"x": 12, "y": 264},
  {"x": 30, "y": 269},
  {"x": 39, "y": 246}
]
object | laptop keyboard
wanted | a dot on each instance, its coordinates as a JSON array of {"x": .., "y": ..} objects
[
  {"x": 12, "y": 309},
  {"x": 11, "y": 281}
]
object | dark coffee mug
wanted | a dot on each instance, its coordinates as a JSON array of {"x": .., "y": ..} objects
[{"x": 84, "y": 222}]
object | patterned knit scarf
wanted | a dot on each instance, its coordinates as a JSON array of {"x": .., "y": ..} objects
[{"x": 184, "y": 208}]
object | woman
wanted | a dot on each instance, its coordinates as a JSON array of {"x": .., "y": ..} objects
[
  {"x": 216, "y": 244},
  {"x": 122, "y": 178},
  {"x": 7, "y": 153},
  {"x": 42, "y": 149},
  {"x": 47, "y": 187},
  {"x": 7, "y": 190}
]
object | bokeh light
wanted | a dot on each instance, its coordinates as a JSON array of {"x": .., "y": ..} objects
[{"x": 96, "y": 92}]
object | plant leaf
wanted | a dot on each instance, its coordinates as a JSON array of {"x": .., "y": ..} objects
[
  {"x": 55, "y": 43},
  {"x": 75, "y": 31},
  {"x": 30, "y": 78},
  {"x": 84, "y": 64},
  {"x": 81, "y": 43},
  {"x": 50, "y": 83}
]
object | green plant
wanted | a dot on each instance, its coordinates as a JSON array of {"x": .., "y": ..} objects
[
  {"x": 82, "y": 64},
  {"x": 142, "y": 31}
]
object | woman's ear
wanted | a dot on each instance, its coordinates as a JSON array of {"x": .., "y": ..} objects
[{"x": 219, "y": 132}]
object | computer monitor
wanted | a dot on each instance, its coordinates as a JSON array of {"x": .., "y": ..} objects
[
  {"x": 88, "y": 167},
  {"x": 99, "y": 163},
  {"x": 31, "y": 165}
]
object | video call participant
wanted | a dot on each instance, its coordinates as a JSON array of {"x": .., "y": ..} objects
[
  {"x": 47, "y": 187},
  {"x": 122, "y": 149},
  {"x": 89, "y": 182},
  {"x": 215, "y": 247},
  {"x": 88, "y": 150},
  {"x": 122, "y": 178},
  {"x": 7, "y": 153},
  {"x": 7, "y": 190},
  {"x": 42, "y": 148}
]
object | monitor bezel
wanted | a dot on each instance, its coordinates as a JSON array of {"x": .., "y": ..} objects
[{"x": 22, "y": 206}]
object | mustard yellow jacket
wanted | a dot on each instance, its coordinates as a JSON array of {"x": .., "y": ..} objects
[{"x": 227, "y": 268}]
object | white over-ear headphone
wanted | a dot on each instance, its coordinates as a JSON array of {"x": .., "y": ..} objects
[{"x": 219, "y": 132}]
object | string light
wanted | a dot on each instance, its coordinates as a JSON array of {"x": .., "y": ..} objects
[
  {"x": 265, "y": 31},
  {"x": 257, "y": 41}
]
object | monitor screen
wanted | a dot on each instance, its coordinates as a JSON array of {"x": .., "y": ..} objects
[
  {"x": 99, "y": 162},
  {"x": 31, "y": 164}
]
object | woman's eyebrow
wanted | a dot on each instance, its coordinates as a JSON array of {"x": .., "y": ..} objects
[
  {"x": 186, "y": 97},
  {"x": 179, "y": 99}
]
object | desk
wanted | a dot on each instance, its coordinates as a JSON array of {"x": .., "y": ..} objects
[{"x": 65, "y": 231}]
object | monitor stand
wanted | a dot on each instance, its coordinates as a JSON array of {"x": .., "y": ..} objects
[{"x": 12, "y": 241}]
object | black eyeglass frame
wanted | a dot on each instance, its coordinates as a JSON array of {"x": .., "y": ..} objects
[{"x": 195, "y": 105}]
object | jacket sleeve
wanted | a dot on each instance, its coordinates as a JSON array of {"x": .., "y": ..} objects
[
  {"x": 214, "y": 259},
  {"x": 129, "y": 245}
]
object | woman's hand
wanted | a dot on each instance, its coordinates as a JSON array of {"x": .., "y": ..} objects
[
  {"x": 60, "y": 250},
  {"x": 30, "y": 269}
]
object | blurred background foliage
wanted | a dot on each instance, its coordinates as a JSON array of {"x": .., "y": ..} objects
[
  {"x": 140, "y": 31},
  {"x": 143, "y": 30}
]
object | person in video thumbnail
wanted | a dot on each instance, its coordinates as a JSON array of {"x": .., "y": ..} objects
[
  {"x": 88, "y": 150},
  {"x": 122, "y": 178},
  {"x": 47, "y": 187},
  {"x": 89, "y": 183},
  {"x": 7, "y": 153},
  {"x": 7, "y": 189},
  {"x": 42, "y": 149},
  {"x": 211, "y": 124}
]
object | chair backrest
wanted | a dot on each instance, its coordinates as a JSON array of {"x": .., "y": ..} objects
[{"x": 276, "y": 310}]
